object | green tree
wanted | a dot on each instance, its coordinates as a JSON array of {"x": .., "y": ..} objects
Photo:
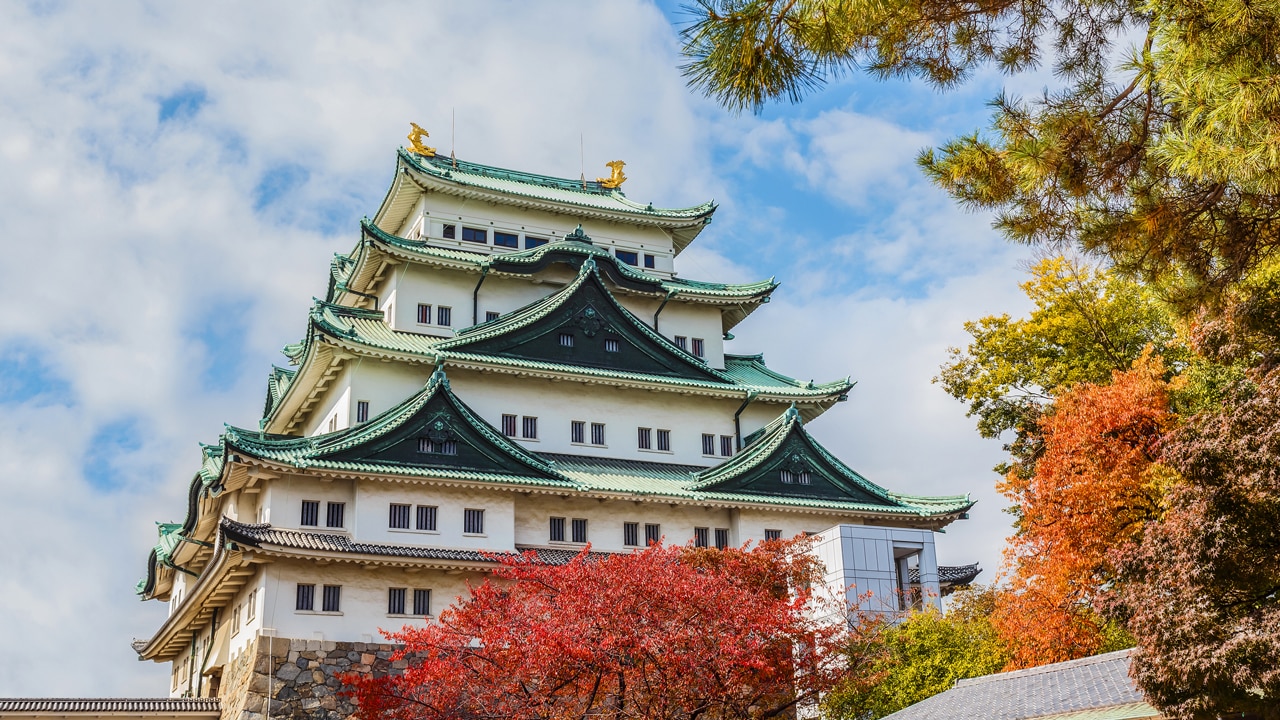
[
  {"x": 1165, "y": 158},
  {"x": 1086, "y": 324},
  {"x": 922, "y": 656}
]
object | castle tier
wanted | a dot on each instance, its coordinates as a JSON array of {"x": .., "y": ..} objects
[{"x": 505, "y": 363}]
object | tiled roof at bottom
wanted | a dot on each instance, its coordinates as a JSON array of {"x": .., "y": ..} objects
[
  {"x": 950, "y": 574},
  {"x": 1091, "y": 683},
  {"x": 202, "y": 706},
  {"x": 260, "y": 534}
]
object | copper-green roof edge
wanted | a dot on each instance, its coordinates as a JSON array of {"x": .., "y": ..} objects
[
  {"x": 344, "y": 265},
  {"x": 546, "y": 188}
]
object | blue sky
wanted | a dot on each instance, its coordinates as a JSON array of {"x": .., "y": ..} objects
[{"x": 176, "y": 178}]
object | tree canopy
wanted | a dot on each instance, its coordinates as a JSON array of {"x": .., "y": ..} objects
[
  {"x": 666, "y": 632},
  {"x": 1164, "y": 157}
]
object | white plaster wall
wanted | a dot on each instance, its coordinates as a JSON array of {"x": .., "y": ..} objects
[
  {"x": 364, "y": 598},
  {"x": 622, "y": 410},
  {"x": 409, "y": 285},
  {"x": 282, "y": 501},
  {"x": 752, "y": 522},
  {"x": 439, "y": 209},
  {"x": 372, "y": 511},
  {"x": 605, "y": 521}
]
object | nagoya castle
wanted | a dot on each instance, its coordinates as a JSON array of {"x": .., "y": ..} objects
[{"x": 504, "y": 363}]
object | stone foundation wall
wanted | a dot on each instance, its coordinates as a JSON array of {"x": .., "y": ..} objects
[{"x": 299, "y": 678}]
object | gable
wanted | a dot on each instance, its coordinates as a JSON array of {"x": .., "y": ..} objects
[
  {"x": 589, "y": 328},
  {"x": 441, "y": 434},
  {"x": 797, "y": 468}
]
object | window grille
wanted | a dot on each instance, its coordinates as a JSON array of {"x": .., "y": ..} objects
[
  {"x": 652, "y": 533},
  {"x": 422, "y": 602},
  {"x": 566, "y": 340},
  {"x": 395, "y": 601},
  {"x": 362, "y": 411},
  {"x": 631, "y": 534},
  {"x": 772, "y": 534},
  {"x": 399, "y": 517},
  {"x": 306, "y": 597},
  {"x": 427, "y": 517},
  {"x": 796, "y": 478},
  {"x": 577, "y": 431},
  {"x": 334, "y": 514},
  {"x": 509, "y": 425},
  {"x": 579, "y": 530},
  {"x": 310, "y": 513},
  {"x": 444, "y": 316},
  {"x": 700, "y": 537},
  {"x": 490, "y": 316},
  {"x": 530, "y": 428},
  {"x": 557, "y": 529},
  {"x": 726, "y": 445},
  {"x": 699, "y": 347},
  {"x": 597, "y": 433},
  {"x": 664, "y": 440},
  {"x": 424, "y": 314},
  {"x": 644, "y": 438},
  {"x": 722, "y": 538},
  {"x": 708, "y": 444},
  {"x": 332, "y": 601},
  {"x": 611, "y": 345},
  {"x": 473, "y": 521},
  {"x": 682, "y": 342}
]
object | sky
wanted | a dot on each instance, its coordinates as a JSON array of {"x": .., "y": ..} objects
[{"x": 174, "y": 178}]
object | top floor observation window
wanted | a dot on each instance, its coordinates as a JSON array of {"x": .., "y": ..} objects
[{"x": 475, "y": 235}]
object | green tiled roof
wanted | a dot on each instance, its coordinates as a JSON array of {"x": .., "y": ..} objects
[
  {"x": 339, "y": 450},
  {"x": 545, "y": 188},
  {"x": 367, "y": 329},
  {"x": 568, "y": 249},
  {"x": 277, "y": 384}
]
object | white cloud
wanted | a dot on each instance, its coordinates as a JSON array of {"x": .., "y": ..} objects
[{"x": 122, "y": 235}]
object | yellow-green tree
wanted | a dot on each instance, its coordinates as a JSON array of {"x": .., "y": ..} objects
[{"x": 922, "y": 656}]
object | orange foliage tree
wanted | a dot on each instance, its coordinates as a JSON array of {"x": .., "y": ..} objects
[
  {"x": 1090, "y": 489},
  {"x": 667, "y": 632}
]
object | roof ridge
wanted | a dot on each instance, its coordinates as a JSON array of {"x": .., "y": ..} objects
[{"x": 1043, "y": 669}]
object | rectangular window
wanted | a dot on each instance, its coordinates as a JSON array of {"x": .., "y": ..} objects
[
  {"x": 533, "y": 242},
  {"x": 235, "y": 620},
  {"x": 502, "y": 239},
  {"x": 395, "y": 601},
  {"x": 644, "y": 438},
  {"x": 427, "y": 517},
  {"x": 597, "y": 433},
  {"x": 529, "y": 428},
  {"x": 652, "y": 533},
  {"x": 424, "y": 314},
  {"x": 631, "y": 534},
  {"x": 334, "y": 514},
  {"x": 473, "y": 521},
  {"x": 310, "y": 513},
  {"x": 422, "y": 602},
  {"x": 251, "y": 606},
  {"x": 726, "y": 445},
  {"x": 577, "y": 431},
  {"x": 772, "y": 534},
  {"x": 333, "y": 423},
  {"x": 722, "y": 538},
  {"x": 509, "y": 425},
  {"x": 664, "y": 440},
  {"x": 795, "y": 478},
  {"x": 699, "y": 347},
  {"x": 475, "y": 235},
  {"x": 566, "y": 340},
  {"x": 362, "y": 411},
  {"x": 700, "y": 537},
  {"x": 332, "y": 598},
  {"x": 648, "y": 261},
  {"x": 427, "y": 445},
  {"x": 557, "y": 529},
  {"x": 627, "y": 257},
  {"x": 399, "y": 517},
  {"x": 579, "y": 530},
  {"x": 306, "y": 597},
  {"x": 708, "y": 444},
  {"x": 611, "y": 345},
  {"x": 444, "y": 316},
  {"x": 682, "y": 342},
  {"x": 450, "y": 232},
  {"x": 490, "y": 316}
]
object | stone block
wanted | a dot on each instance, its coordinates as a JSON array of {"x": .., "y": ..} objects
[
  {"x": 317, "y": 676},
  {"x": 366, "y": 659},
  {"x": 329, "y": 702},
  {"x": 313, "y": 645},
  {"x": 310, "y": 704},
  {"x": 329, "y": 646},
  {"x": 258, "y": 683},
  {"x": 400, "y": 664},
  {"x": 297, "y": 645},
  {"x": 288, "y": 673}
]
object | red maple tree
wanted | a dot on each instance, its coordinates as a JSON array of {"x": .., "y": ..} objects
[
  {"x": 1091, "y": 489},
  {"x": 666, "y": 632}
]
